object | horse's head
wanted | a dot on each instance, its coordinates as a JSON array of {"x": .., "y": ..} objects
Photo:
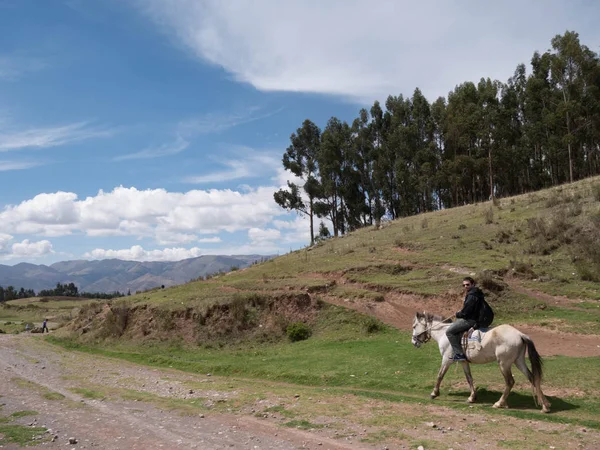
[{"x": 421, "y": 330}]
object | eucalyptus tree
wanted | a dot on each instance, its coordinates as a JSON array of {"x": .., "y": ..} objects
[{"x": 300, "y": 158}]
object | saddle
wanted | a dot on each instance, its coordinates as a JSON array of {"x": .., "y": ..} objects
[{"x": 471, "y": 341}]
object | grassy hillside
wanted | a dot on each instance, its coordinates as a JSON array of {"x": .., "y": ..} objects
[{"x": 546, "y": 242}]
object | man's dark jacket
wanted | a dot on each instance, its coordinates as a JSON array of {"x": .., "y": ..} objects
[{"x": 471, "y": 305}]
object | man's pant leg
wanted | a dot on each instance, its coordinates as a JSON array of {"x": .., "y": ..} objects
[{"x": 455, "y": 331}]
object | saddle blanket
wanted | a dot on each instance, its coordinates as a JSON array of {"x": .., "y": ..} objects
[{"x": 477, "y": 335}]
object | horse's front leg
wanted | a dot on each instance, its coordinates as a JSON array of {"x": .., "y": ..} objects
[
  {"x": 467, "y": 370},
  {"x": 446, "y": 363}
]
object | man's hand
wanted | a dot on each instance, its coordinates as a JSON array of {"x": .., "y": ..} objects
[{"x": 458, "y": 315}]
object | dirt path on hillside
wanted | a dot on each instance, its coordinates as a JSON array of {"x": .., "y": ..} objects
[
  {"x": 399, "y": 310},
  {"x": 31, "y": 369}
]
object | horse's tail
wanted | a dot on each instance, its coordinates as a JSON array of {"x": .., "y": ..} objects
[{"x": 537, "y": 371}]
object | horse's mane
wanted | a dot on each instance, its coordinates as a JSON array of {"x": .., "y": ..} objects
[{"x": 432, "y": 317}]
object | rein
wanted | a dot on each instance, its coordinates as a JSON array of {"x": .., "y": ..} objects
[{"x": 429, "y": 329}]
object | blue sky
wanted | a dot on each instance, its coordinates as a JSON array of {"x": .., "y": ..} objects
[{"x": 154, "y": 129}]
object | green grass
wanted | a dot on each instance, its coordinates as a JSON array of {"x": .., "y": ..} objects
[
  {"x": 88, "y": 393},
  {"x": 53, "y": 396},
  {"x": 341, "y": 355},
  {"x": 24, "y": 413},
  {"x": 21, "y": 435},
  {"x": 302, "y": 424}
]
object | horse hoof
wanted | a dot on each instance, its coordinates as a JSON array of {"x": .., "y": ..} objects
[
  {"x": 545, "y": 410},
  {"x": 432, "y": 396},
  {"x": 499, "y": 405},
  {"x": 471, "y": 400}
]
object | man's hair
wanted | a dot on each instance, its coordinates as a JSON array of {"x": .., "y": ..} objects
[{"x": 469, "y": 279}]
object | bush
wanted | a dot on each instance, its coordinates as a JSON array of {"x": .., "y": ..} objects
[
  {"x": 554, "y": 199},
  {"x": 521, "y": 269},
  {"x": 574, "y": 209},
  {"x": 489, "y": 215},
  {"x": 298, "y": 331},
  {"x": 462, "y": 226},
  {"x": 503, "y": 236},
  {"x": 596, "y": 192},
  {"x": 488, "y": 282},
  {"x": 372, "y": 325},
  {"x": 586, "y": 250}
]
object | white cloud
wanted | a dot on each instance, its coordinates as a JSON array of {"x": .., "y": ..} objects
[
  {"x": 221, "y": 121},
  {"x": 171, "y": 219},
  {"x": 4, "y": 242},
  {"x": 24, "y": 249},
  {"x": 49, "y": 209},
  {"x": 261, "y": 236},
  {"x": 6, "y": 166},
  {"x": 167, "y": 216},
  {"x": 169, "y": 149},
  {"x": 365, "y": 51},
  {"x": 137, "y": 253},
  {"x": 46, "y": 137},
  {"x": 247, "y": 163},
  {"x": 170, "y": 238}
]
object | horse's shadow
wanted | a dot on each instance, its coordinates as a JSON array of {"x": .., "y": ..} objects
[{"x": 516, "y": 400}]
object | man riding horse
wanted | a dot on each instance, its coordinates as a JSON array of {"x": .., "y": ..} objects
[{"x": 466, "y": 318}]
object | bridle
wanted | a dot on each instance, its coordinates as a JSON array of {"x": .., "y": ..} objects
[{"x": 427, "y": 331}]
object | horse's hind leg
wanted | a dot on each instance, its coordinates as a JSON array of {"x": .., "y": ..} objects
[
  {"x": 467, "y": 370},
  {"x": 522, "y": 366},
  {"x": 510, "y": 382}
]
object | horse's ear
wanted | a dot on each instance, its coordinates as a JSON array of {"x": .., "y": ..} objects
[{"x": 419, "y": 315}]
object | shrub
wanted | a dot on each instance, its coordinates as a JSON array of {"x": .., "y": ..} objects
[
  {"x": 487, "y": 281},
  {"x": 596, "y": 192},
  {"x": 298, "y": 331},
  {"x": 574, "y": 209},
  {"x": 554, "y": 199},
  {"x": 462, "y": 226},
  {"x": 587, "y": 272},
  {"x": 489, "y": 215},
  {"x": 372, "y": 325},
  {"x": 521, "y": 269},
  {"x": 503, "y": 236},
  {"x": 586, "y": 250}
]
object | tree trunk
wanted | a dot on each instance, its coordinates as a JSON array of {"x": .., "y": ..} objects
[
  {"x": 491, "y": 176},
  {"x": 312, "y": 228}
]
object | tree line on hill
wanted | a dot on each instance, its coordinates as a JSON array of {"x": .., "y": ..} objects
[
  {"x": 61, "y": 290},
  {"x": 484, "y": 140}
]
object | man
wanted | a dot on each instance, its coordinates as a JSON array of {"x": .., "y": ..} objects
[
  {"x": 45, "y": 326},
  {"x": 466, "y": 318}
]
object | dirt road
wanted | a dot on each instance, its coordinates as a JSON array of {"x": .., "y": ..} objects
[
  {"x": 32, "y": 372},
  {"x": 111, "y": 404}
]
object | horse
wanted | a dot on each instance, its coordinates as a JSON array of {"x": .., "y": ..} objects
[{"x": 503, "y": 343}]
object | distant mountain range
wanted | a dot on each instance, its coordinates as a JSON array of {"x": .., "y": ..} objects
[{"x": 111, "y": 275}]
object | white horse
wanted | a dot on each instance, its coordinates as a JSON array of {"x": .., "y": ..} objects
[{"x": 502, "y": 343}]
